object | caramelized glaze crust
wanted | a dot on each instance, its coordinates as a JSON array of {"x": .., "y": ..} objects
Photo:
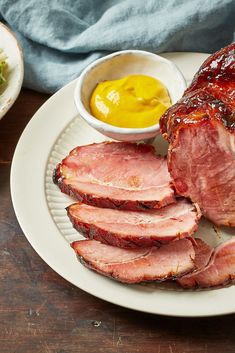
[{"x": 210, "y": 96}]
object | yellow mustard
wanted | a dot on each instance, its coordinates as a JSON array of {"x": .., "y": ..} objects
[{"x": 135, "y": 101}]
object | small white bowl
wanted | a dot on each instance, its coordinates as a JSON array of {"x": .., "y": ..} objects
[
  {"x": 116, "y": 66},
  {"x": 15, "y": 71}
]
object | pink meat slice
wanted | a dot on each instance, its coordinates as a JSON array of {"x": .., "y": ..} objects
[
  {"x": 128, "y": 229},
  {"x": 218, "y": 272},
  {"x": 137, "y": 265},
  {"x": 116, "y": 175},
  {"x": 203, "y": 253}
]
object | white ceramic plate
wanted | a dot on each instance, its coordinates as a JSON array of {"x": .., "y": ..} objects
[
  {"x": 15, "y": 72},
  {"x": 53, "y": 131}
]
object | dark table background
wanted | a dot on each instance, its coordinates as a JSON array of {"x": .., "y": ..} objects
[{"x": 42, "y": 313}]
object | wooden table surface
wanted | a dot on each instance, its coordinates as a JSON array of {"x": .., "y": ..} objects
[{"x": 42, "y": 313}]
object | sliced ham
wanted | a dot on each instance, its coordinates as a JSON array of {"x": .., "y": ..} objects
[
  {"x": 128, "y": 229},
  {"x": 137, "y": 265},
  {"x": 116, "y": 175},
  {"x": 219, "y": 271},
  {"x": 203, "y": 253}
]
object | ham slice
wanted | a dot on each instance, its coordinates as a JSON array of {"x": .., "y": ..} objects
[
  {"x": 137, "y": 265},
  {"x": 129, "y": 229},
  {"x": 203, "y": 254},
  {"x": 116, "y": 175},
  {"x": 219, "y": 271}
]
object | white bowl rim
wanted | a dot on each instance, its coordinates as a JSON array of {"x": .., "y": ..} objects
[
  {"x": 8, "y": 104},
  {"x": 100, "y": 125}
]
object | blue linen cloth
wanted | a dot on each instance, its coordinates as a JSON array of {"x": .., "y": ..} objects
[{"x": 61, "y": 37}]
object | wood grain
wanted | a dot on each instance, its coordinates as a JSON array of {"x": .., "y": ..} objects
[{"x": 42, "y": 313}]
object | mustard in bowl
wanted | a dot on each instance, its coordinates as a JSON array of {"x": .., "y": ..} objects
[
  {"x": 134, "y": 101},
  {"x": 124, "y": 94}
]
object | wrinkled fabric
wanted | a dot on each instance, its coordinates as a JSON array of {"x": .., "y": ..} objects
[{"x": 61, "y": 37}]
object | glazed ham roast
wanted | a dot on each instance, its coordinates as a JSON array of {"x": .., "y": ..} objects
[
  {"x": 201, "y": 131},
  {"x": 116, "y": 175},
  {"x": 137, "y": 265},
  {"x": 130, "y": 229}
]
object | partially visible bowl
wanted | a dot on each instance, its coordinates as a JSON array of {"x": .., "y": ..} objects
[
  {"x": 9, "y": 91},
  {"x": 116, "y": 66}
]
